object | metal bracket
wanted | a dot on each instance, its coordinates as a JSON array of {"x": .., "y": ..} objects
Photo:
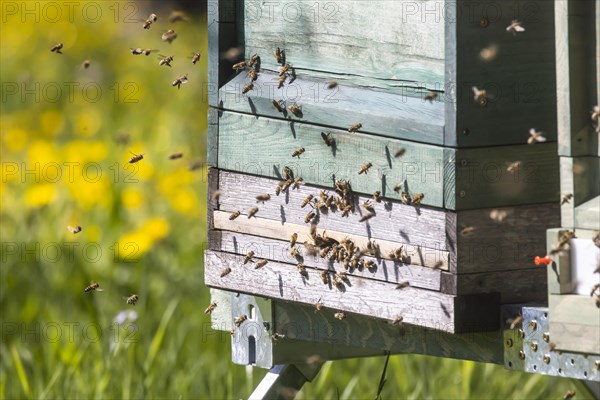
[
  {"x": 284, "y": 382},
  {"x": 251, "y": 341}
]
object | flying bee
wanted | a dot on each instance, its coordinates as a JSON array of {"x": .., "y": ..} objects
[
  {"x": 86, "y": 64},
  {"x": 417, "y": 198},
  {"x": 169, "y": 36},
  {"x": 339, "y": 315},
  {"x": 247, "y": 88},
  {"x": 346, "y": 210},
  {"x": 195, "y": 57},
  {"x": 366, "y": 217},
  {"x": 355, "y": 127},
  {"x": 325, "y": 278},
  {"x": 405, "y": 198},
  {"x": 307, "y": 200},
  {"x": 145, "y": 52},
  {"x": 248, "y": 257},
  {"x": 377, "y": 196},
  {"x": 513, "y": 166},
  {"x": 403, "y": 285},
  {"x": 260, "y": 263},
  {"x": 279, "y": 56},
  {"x": 284, "y": 69},
  {"x": 164, "y": 60},
  {"x": 177, "y": 16},
  {"x": 480, "y": 96},
  {"x": 397, "y": 321},
  {"x": 309, "y": 216},
  {"x": 252, "y": 74},
  {"x": 210, "y": 308},
  {"x": 240, "y": 320},
  {"x": 331, "y": 84},
  {"x": 239, "y": 66},
  {"x": 180, "y": 80},
  {"x": 74, "y": 229},
  {"x": 566, "y": 198},
  {"x": 263, "y": 197},
  {"x": 515, "y": 27},
  {"x": 279, "y": 105},
  {"x": 226, "y": 271},
  {"x": 365, "y": 168},
  {"x": 488, "y": 53},
  {"x": 135, "y": 158},
  {"x": 252, "y": 212},
  {"x": 302, "y": 270},
  {"x": 195, "y": 165},
  {"x": 400, "y": 152},
  {"x": 368, "y": 206},
  {"x": 295, "y": 253},
  {"x": 234, "y": 215},
  {"x": 175, "y": 156},
  {"x": 569, "y": 394},
  {"x": 293, "y": 239},
  {"x": 277, "y": 336},
  {"x": 430, "y": 96},
  {"x": 57, "y": 48},
  {"x": 132, "y": 299},
  {"x": 467, "y": 230},
  {"x": 298, "y": 152},
  {"x": 253, "y": 60},
  {"x": 535, "y": 137},
  {"x": 152, "y": 18},
  {"x": 295, "y": 109},
  {"x": 297, "y": 182},
  {"x": 398, "y": 187},
  {"x": 93, "y": 287},
  {"x": 329, "y": 141},
  {"x": 216, "y": 195}
]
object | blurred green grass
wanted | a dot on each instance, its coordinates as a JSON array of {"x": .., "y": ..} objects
[{"x": 148, "y": 222}]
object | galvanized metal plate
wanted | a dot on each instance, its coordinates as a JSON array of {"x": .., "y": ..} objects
[{"x": 251, "y": 340}]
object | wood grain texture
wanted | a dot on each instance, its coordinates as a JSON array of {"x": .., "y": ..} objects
[
  {"x": 300, "y": 323},
  {"x": 575, "y": 323},
  {"x": 279, "y": 250},
  {"x": 367, "y": 297},
  {"x": 220, "y": 318},
  {"x": 273, "y": 229},
  {"x": 394, "y": 222},
  {"x": 520, "y": 80},
  {"x": 402, "y": 116}
]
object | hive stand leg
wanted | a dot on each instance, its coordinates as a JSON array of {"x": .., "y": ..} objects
[{"x": 283, "y": 381}]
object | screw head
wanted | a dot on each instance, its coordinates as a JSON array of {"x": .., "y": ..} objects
[
  {"x": 546, "y": 359},
  {"x": 484, "y": 23},
  {"x": 533, "y": 324},
  {"x": 466, "y": 131},
  {"x": 462, "y": 193},
  {"x": 508, "y": 343},
  {"x": 521, "y": 354},
  {"x": 546, "y": 336},
  {"x": 533, "y": 346},
  {"x": 463, "y": 163}
]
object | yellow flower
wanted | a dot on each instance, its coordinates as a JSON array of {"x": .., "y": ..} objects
[
  {"x": 184, "y": 201},
  {"x": 156, "y": 228},
  {"x": 88, "y": 122},
  {"x": 52, "y": 123},
  {"x": 15, "y": 139},
  {"x": 40, "y": 195},
  {"x": 132, "y": 246},
  {"x": 132, "y": 198}
]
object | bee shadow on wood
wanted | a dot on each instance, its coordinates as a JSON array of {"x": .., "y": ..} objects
[
  {"x": 220, "y": 109},
  {"x": 334, "y": 147},
  {"x": 445, "y": 310},
  {"x": 385, "y": 271},
  {"x": 388, "y": 205},
  {"x": 235, "y": 245},
  {"x": 287, "y": 195},
  {"x": 293, "y": 129},
  {"x": 368, "y": 230},
  {"x": 341, "y": 288},
  {"x": 277, "y": 172},
  {"x": 280, "y": 280},
  {"x": 282, "y": 214},
  {"x": 404, "y": 235},
  {"x": 388, "y": 156},
  {"x": 383, "y": 184},
  {"x": 252, "y": 108}
]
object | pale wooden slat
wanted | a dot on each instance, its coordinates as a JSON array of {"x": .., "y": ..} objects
[
  {"x": 279, "y": 250},
  {"x": 274, "y": 229},
  {"x": 575, "y": 323},
  {"x": 367, "y": 297}
]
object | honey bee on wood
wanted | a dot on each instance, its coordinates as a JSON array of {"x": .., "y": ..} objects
[
  {"x": 86, "y": 64},
  {"x": 515, "y": 27},
  {"x": 329, "y": 141},
  {"x": 295, "y": 109},
  {"x": 417, "y": 198},
  {"x": 260, "y": 263},
  {"x": 279, "y": 105},
  {"x": 297, "y": 182},
  {"x": 195, "y": 57},
  {"x": 397, "y": 321},
  {"x": 284, "y": 185},
  {"x": 277, "y": 336},
  {"x": 398, "y": 187},
  {"x": 252, "y": 212},
  {"x": 405, "y": 198},
  {"x": 402, "y": 285},
  {"x": 325, "y": 278},
  {"x": 368, "y": 206},
  {"x": 226, "y": 271},
  {"x": 369, "y": 264},
  {"x": 247, "y": 88},
  {"x": 234, "y": 215},
  {"x": 240, "y": 320},
  {"x": 282, "y": 79},
  {"x": 175, "y": 156},
  {"x": 346, "y": 210},
  {"x": 181, "y": 79},
  {"x": 279, "y": 56},
  {"x": 340, "y": 315},
  {"x": 365, "y": 168},
  {"x": 284, "y": 69},
  {"x": 313, "y": 230},
  {"x": 430, "y": 96},
  {"x": 366, "y": 217},
  {"x": 252, "y": 74},
  {"x": 169, "y": 36},
  {"x": 298, "y": 152},
  {"x": 513, "y": 166},
  {"x": 132, "y": 299},
  {"x": 566, "y": 198},
  {"x": 295, "y": 253},
  {"x": 535, "y": 137},
  {"x": 136, "y": 158},
  {"x": 569, "y": 394},
  {"x": 253, "y": 60},
  {"x": 309, "y": 216},
  {"x": 74, "y": 229},
  {"x": 307, "y": 200},
  {"x": 248, "y": 257},
  {"x": 211, "y": 307},
  {"x": 93, "y": 287},
  {"x": 239, "y": 66},
  {"x": 377, "y": 196},
  {"x": 400, "y": 152},
  {"x": 467, "y": 230},
  {"x": 302, "y": 270},
  {"x": 263, "y": 197},
  {"x": 318, "y": 305},
  {"x": 57, "y": 48},
  {"x": 165, "y": 60},
  {"x": 596, "y": 239},
  {"x": 480, "y": 96},
  {"x": 293, "y": 239},
  {"x": 287, "y": 173},
  {"x": 355, "y": 127}
]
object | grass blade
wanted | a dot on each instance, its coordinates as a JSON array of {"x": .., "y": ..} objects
[
  {"x": 160, "y": 334},
  {"x": 382, "y": 379},
  {"x": 20, "y": 371}
]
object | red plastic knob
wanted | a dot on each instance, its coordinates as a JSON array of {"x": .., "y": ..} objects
[{"x": 542, "y": 260}]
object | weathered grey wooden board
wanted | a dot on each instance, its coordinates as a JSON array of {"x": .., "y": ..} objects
[
  {"x": 403, "y": 116},
  {"x": 338, "y": 38},
  {"x": 575, "y": 323},
  {"x": 269, "y": 228},
  {"x": 363, "y": 296},
  {"x": 300, "y": 322},
  {"x": 580, "y": 176},
  {"x": 520, "y": 81},
  {"x": 577, "y": 76},
  {"x": 279, "y": 250}
]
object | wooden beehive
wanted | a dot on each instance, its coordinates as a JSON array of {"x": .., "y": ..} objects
[{"x": 488, "y": 196}]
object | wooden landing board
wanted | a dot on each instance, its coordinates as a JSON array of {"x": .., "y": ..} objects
[
  {"x": 362, "y": 296},
  {"x": 275, "y": 230},
  {"x": 451, "y": 179},
  {"x": 279, "y": 250}
]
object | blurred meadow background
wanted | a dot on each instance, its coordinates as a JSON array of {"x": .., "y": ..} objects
[{"x": 67, "y": 133}]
